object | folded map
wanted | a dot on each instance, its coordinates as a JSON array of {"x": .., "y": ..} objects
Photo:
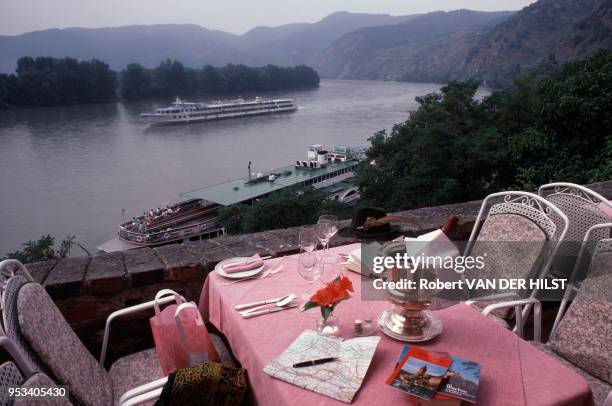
[{"x": 340, "y": 379}]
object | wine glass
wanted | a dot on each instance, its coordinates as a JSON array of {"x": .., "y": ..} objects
[
  {"x": 308, "y": 240},
  {"x": 309, "y": 269},
  {"x": 308, "y": 257},
  {"x": 327, "y": 227}
]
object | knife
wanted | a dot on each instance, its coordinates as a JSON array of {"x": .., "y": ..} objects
[
  {"x": 263, "y": 302},
  {"x": 271, "y": 310}
]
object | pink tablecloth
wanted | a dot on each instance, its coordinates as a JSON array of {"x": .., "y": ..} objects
[{"x": 513, "y": 371}]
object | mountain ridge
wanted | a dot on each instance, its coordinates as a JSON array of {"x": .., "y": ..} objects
[
  {"x": 492, "y": 47},
  {"x": 192, "y": 44},
  {"x": 545, "y": 31}
]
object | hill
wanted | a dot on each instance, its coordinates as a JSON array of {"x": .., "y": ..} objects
[
  {"x": 310, "y": 40},
  {"x": 147, "y": 44},
  {"x": 387, "y": 52},
  {"x": 492, "y": 47},
  {"x": 555, "y": 30},
  {"x": 435, "y": 47},
  {"x": 195, "y": 46}
]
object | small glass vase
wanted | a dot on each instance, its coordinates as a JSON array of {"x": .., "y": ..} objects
[{"x": 329, "y": 327}]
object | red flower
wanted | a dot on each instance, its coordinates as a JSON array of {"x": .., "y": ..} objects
[
  {"x": 323, "y": 297},
  {"x": 346, "y": 283},
  {"x": 333, "y": 292}
]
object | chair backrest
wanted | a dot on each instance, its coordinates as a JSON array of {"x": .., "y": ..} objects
[
  {"x": 19, "y": 374},
  {"x": 584, "y": 208},
  {"x": 11, "y": 322},
  {"x": 10, "y": 376},
  {"x": 516, "y": 233},
  {"x": 584, "y": 334},
  {"x": 38, "y": 380},
  {"x": 8, "y": 269},
  {"x": 10, "y": 373},
  {"x": 58, "y": 347}
]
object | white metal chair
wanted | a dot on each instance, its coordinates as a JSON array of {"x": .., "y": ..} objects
[
  {"x": 600, "y": 250},
  {"x": 517, "y": 233},
  {"x": 19, "y": 374},
  {"x": 583, "y": 337},
  {"x": 584, "y": 208},
  {"x": 51, "y": 339}
]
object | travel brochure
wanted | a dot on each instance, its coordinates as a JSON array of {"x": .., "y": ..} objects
[{"x": 435, "y": 378}]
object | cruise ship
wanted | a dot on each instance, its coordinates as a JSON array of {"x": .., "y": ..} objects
[
  {"x": 187, "y": 112},
  {"x": 332, "y": 172}
]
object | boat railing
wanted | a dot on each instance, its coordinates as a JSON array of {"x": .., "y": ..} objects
[
  {"x": 187, "y": 213},
  {"x": 165, "y": 235}
]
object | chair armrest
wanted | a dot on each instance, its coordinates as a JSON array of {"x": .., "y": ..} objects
[
  {"x": 15, "y": 263},
  {"x": 128, "y": 310},
  {"x": 517, "y": 305},
  {"x": 143, "y": 389},
  {"x": 154, "y": 394},
  {"x": 497, "y": 296},
  {"x": 24, "y": 365}
]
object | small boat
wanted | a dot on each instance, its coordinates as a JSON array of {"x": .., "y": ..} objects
[
  {"x": 184, "y": 220},
  {"x": 187, "y": 112}
]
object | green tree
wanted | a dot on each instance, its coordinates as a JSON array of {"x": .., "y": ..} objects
[
  {"x": 170, "y": 78},
  {"x": 455, "y": 148},
  {"x": 211, "y": 80},
  {"x": 135, "y": 82},
  {"x": 46, "y": 81},
  {"x": 445, "y": 152},
  {"x": 42, "y": 250},
  {"x": 288, "y": 208}
]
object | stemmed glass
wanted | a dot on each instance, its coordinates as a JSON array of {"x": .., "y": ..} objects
[
  {"x": 308, "y": 256},
  {"x": 327, "y": 227}
]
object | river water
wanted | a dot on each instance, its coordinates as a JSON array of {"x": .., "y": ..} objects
[{"x": 71, "y": 170}]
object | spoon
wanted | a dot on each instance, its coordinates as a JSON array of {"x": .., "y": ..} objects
[{"x": 281, "y": 303}]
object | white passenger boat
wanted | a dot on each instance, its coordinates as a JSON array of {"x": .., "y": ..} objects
[{"x": 186, "y": 112}]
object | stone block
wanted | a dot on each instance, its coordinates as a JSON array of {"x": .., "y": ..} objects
[
  {"x": 65, "y": 278},
  {"x": 106, "y": 273},
  {"x": 143, "y": 267},
  {"x": 277, "y": 242},
  {"x": 208, "y": 255},
  {"x": 40, "y": 270},
  {"x": 179, "y": 262},
  {"x": 243, "y": 245}
]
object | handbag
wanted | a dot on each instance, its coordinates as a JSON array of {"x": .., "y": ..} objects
[
  {"x": 165, "y": 334},
  {"x": 194, "y": 345}
]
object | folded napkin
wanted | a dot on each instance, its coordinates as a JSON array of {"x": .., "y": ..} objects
[
  {"x": 353, "y": 262},
  {"x": 246, "y": 264},
  {"x": 361, "y": 259},
  {"x": 433, "y": 244}
]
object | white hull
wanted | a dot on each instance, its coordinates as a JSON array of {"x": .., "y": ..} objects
[{"x": 192, "y": 115}]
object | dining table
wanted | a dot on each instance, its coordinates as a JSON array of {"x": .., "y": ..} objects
[{"x": 513, "y": 371}]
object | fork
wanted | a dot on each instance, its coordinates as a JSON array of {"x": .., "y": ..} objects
[{"x": 263, "y": 275}]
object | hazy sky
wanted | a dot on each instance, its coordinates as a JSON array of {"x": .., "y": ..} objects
[{"x": 237, "y": 16}]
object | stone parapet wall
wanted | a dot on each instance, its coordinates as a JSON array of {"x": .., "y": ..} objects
[{"x": 88, "y": 289}]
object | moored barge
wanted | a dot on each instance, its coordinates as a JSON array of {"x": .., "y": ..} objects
[{"x": 195, "y": 218}]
